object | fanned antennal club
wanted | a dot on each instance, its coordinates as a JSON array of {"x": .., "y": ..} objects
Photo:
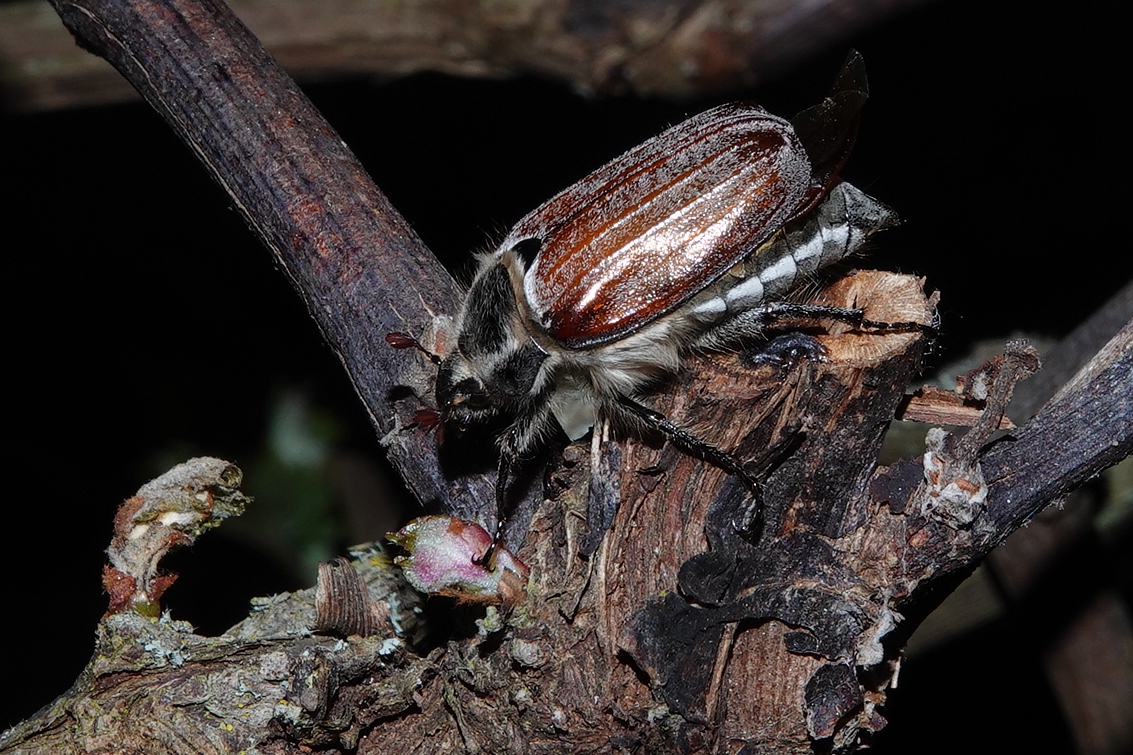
[{"x": 399, "y": 340}]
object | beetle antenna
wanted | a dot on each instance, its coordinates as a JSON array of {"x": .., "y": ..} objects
[{"x": 399, "y": 340}]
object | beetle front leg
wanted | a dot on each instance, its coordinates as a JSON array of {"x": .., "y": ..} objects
[
  {"x": 523, "y": 435},
  {"x": 503, "y": 476}
]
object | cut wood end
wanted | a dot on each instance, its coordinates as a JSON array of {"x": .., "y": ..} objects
[{"x": 884, "y": 297}]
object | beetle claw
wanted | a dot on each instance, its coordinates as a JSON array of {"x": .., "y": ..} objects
[{"x": 786, "y": 351}]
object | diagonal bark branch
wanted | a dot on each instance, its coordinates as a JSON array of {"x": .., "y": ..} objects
[
  {"x": 1084, "y": 429},
  {"x": 354, "y": 260}
]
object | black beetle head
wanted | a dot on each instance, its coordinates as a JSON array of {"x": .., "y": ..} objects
[
  {"x": 474, "y": 389},
  {"x": 495, "y": 367},
  {"x": 461, "y": 396}
]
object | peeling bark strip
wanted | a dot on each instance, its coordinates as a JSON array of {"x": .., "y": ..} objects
[{"x": 343, "y": 603}]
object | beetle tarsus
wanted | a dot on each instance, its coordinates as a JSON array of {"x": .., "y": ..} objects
[
  {"x": 786, "y": 351},
  {"x": 752, "y": 516},
  {"x": 749, "y": 522},
  {"x": 910, "y": 326}
]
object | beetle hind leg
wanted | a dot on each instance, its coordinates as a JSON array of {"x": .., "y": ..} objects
[
  {"x": 702, "y": 448},
  {"x": 753, "y": 323}
]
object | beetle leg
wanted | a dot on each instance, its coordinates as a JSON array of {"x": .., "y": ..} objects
[
  {"x": 752, "y": 516},
  {"x": 753, "y": 322},
  {"x": 503, "y": 475},
  {"x": 785, "y": 351},
  {"x": 522, "y": 436},
  {"x": 662, "y": 424},
  {"x": 749, "y": 521}
]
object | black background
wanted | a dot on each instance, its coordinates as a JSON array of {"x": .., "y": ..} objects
[{"x": 145, "y": 320}]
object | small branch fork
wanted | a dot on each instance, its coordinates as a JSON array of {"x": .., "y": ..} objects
[{"x": 1019, "y": 362}]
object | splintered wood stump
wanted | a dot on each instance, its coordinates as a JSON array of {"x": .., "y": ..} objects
[{"x": 695, "y": 624}]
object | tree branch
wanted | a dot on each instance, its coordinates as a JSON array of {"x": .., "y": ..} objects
[
  {"x": 776, "y": 639},
  {"x": 683, "y": 50},
  {"x": 357, "y": 264},
  {"x": 1084, "y": 429}
]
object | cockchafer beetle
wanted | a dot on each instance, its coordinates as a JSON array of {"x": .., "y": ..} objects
[{"x": 688, "y": 241}]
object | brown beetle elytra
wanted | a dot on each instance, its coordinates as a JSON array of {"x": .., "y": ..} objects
[{"x": 651, "y": 229}]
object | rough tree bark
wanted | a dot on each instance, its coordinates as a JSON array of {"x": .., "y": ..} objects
[{"x": 679, "y": 629}]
